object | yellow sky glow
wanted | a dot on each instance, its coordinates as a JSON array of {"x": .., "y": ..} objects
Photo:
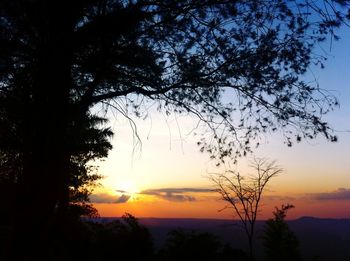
[{"x": 169, "y": 158}]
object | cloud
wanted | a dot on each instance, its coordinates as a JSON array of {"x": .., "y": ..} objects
[
  {"x": 175, "y": 194},
  {"x": 108, "y": 198},
  {"x": 169, "y": 194},
  {"x": 279, "y": 198},
  {"x": 123, "y": 198},
  {"x": 122, "y": 191},
  {"x": 339, "y": 194},
  {"x": 175, "y": 190}
]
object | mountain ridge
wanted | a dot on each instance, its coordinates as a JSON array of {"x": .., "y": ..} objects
[{"x": 328, "y": 238}]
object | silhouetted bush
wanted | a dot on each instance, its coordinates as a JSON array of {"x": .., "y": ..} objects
[
  {"x": 280, "y": 243},
  {"x": 123, "y": 239},
  {"x": 316, "y": 258},
  {"x": 191, "y": 245},
  {"x": 126, "y": 239}
]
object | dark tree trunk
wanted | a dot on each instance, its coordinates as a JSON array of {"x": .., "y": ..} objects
[
  {"x": 250, "y": 235},
  {"x": 46, "y": 154},
  {"x": 250, "y": 240}
]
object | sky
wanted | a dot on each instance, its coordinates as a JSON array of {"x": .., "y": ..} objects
[{"x": 166, "y": 176}]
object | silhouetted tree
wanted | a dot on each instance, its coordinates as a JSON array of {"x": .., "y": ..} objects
[
  {"x": 243, "y": 193},
  {"x": 190, "y": 245},
  {"x": 90, "y": 142},
  {"x": 121, "y": 239},
  {"x": 196, "y": 245},
  {"x": 231, "y": 254},
  {"x": 279, "y": 241},
  {"x": 316, "y": 258},
  {"x": 125, "y": 240},
  {"x": 60, "y": 58}
]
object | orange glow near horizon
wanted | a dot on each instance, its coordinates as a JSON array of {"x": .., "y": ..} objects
[
  {"x": 307, "y": 172},
  {"x": 208, "y": 207}
]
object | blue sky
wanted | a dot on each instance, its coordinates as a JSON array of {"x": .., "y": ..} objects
[{"x": 169, "y": 158}]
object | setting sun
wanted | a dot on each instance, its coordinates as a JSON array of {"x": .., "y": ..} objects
[{"x": 127, "y": 187}]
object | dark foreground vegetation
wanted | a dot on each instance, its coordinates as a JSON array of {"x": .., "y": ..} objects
[
  {"x": 129, "y": 239},
  {"x": 126, "y": 239}
]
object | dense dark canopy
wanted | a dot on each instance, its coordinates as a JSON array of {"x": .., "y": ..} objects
[{"x": 183, "y": 54}]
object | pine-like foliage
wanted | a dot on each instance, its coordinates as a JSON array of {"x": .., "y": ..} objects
[{"x": 279, "y": 241}]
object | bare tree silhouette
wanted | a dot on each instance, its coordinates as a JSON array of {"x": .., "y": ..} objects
[{"x": 243, "y": 193}]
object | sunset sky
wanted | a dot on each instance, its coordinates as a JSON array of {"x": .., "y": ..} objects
[{"x": 167, "y": 175}]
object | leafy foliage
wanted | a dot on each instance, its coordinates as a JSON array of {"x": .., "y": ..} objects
[
  {"x": 89, "y": 143},
  {"x": 183, "y": 54}
]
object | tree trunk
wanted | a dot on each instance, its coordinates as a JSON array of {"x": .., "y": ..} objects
[
  {"x": 251, "y": 243},
  {"x": 46, "y": 153}
]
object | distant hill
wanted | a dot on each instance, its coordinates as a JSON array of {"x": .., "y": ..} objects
[
  {"x": 327, "y": 238},
  {"x": 330, "y": 238}
]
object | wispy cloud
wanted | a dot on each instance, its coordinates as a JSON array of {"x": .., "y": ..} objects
[
  {"x": 170, "y": 194},
  {"x": 339, "y": 194},
  {"x": 175, "y": 194},
  {"x": 279, "y": 198},
  {"x": 122, "y": 191},
  {"x": 108, "y": 198}
]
